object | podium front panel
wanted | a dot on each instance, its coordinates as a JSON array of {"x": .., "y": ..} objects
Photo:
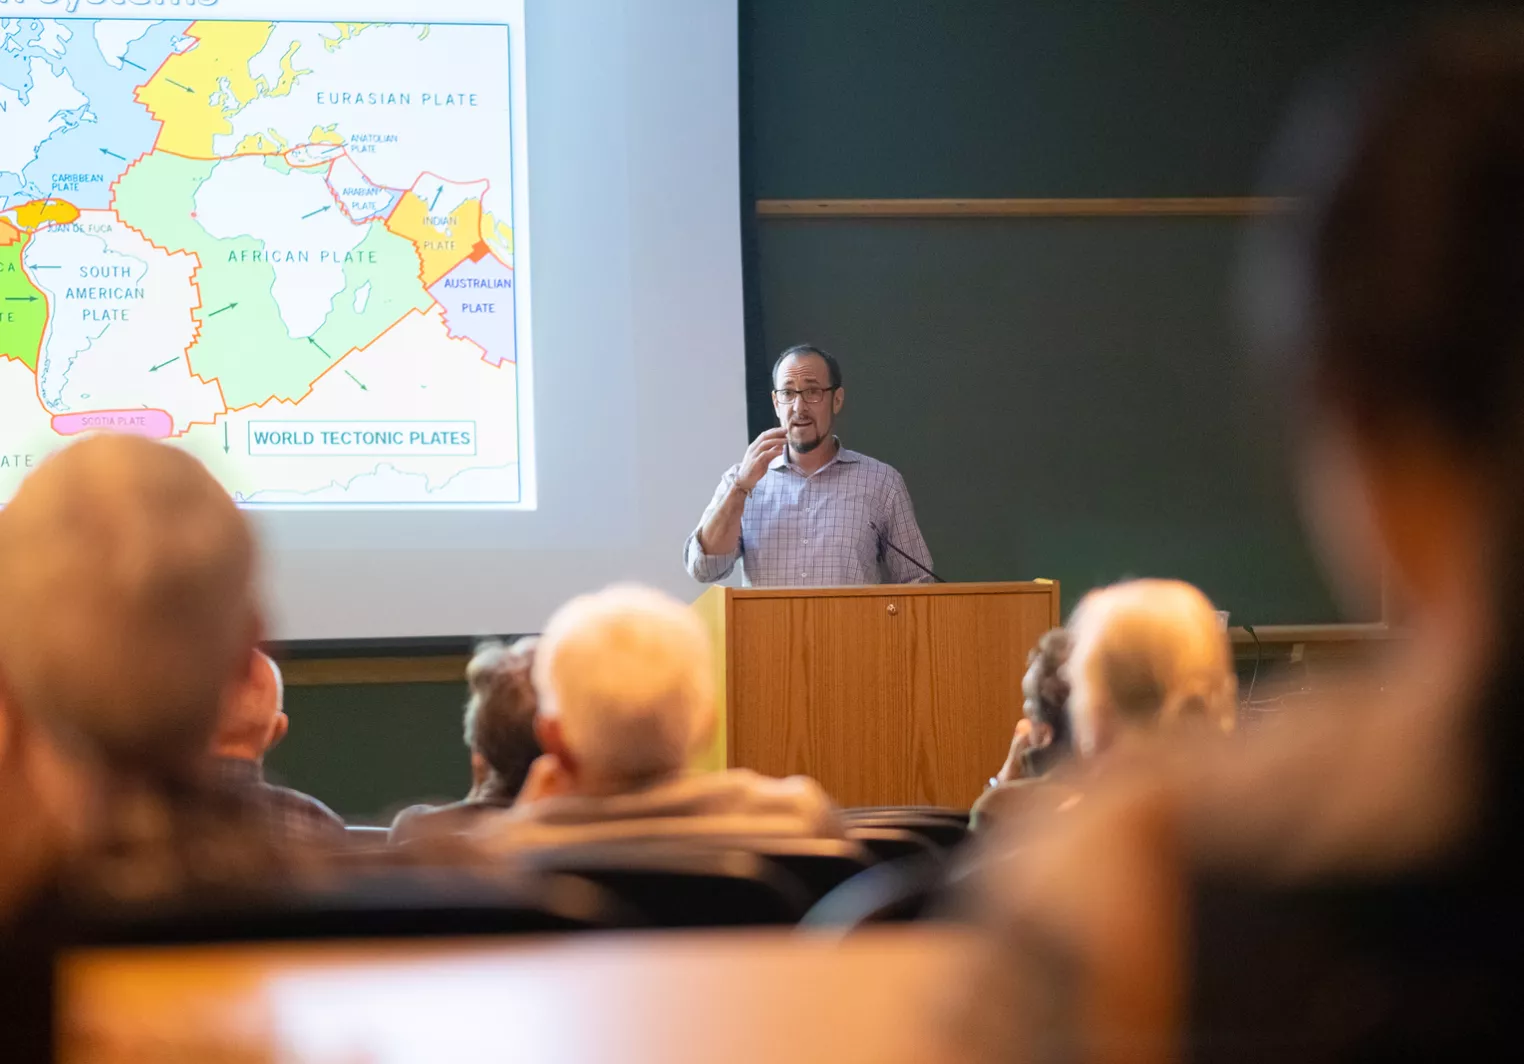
[{"x": 900, "y": 695}]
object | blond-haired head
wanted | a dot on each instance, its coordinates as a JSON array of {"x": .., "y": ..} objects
[
  {"x": 625, "y": 676},
  {"x": 127, "y": 607},
  {"x": 1148, "y": 654}
]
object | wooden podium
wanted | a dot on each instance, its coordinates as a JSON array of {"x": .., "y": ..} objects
[{"x": 888, "y": 695}]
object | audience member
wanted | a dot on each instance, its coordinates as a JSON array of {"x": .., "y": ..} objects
[
  {"x": 253, "y": 722},
  {"x": 626, "y": 698},
  {"x": 127, "y": 577},
  {"x": 499, "y": 730},
  {"x": 1043, "y": 738},
  {"x": 1147, "y": 655},
  {"x": 1346, "y": 886},
  {"x": 1144, "y": 657}
]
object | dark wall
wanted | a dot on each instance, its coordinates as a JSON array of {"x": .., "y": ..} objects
[{"x": 1063, "y": 396}]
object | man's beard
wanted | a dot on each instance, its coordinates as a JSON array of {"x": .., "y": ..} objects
[{"x": 806, "y": 448}]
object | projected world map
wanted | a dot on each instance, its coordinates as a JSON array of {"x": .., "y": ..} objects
[{"x": 285, "y": 246}]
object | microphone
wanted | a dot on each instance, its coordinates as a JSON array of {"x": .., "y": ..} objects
[{"x": 885, "y": 541}]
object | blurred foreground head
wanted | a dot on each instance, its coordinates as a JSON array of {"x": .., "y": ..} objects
[
  {"x": 127, "y": 606},
  {"x": 1148, "y": 654},
  {"x": 626, "y": 687},
  {"x": 1399, "y": 295}
]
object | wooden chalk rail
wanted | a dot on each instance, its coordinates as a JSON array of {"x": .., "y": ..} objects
[
  {"x": 1067, "y": 207},
  {"x": 451, "y": 668},
  {"x": 1288, "y": 634},
  {"x": 359, "y": 671}
]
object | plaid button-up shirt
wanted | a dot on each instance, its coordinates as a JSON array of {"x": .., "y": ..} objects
[
  {"x": 292, "y": 817},
  {"x": 817, "y": 530}
]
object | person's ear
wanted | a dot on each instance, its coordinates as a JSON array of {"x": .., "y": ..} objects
[
  {"x": 1042, "y": 735},
  {"x": 478, "y": 770},
  {"x": 838, "y": 397},
  {"x": 278, "y": 728},
  {"x": 547, "y": 732}
]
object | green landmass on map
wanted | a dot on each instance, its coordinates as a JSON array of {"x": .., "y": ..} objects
[
  {"x": 243, "y": 342},
  {"x": 23, "y": 309},
  {"x": 394, "y": 290}
]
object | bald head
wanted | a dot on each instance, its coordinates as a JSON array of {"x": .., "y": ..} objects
[{"x": 127, "y": 606}]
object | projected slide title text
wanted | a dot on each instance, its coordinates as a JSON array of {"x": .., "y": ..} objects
[{"x": 71, "y": 6}]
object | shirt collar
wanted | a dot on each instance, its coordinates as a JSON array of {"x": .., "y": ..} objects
[
  {"x": 239, "y": 770},
  {"x": 841, "y": 455}
]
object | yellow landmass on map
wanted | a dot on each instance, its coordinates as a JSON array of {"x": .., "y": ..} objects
[
  {"x": 266, "y": 143},
  {"x": 284, "y": 84},
  {"x": 9, "y": 234},
  {"x": 325, "y": 135},
  {"x": 195, "y": 93},
  {"x": 347, "y": 31},
  {"x": 185, "y": 93},
  {"x": 497, "y": 233},
  {"x": 442, "y": 241},
  {"x": 38, "y": 213}
]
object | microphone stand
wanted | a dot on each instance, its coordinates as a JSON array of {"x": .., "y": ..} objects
[{"x": 884, "y": 541}]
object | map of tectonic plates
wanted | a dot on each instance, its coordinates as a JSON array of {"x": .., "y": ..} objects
[{"x": 285, "y": 246}]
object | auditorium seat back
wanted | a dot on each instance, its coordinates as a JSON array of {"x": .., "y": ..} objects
[
  {"x": 676, "y": 885},
  {"x": 871, "y": 811},
  {"x": 889, "y": 892},
  {"x": 941, "y": 831},
  {"x": 389, "y": 904},
  {"x": 820, "y": 865},
  {"x": 891, "y": 844}
]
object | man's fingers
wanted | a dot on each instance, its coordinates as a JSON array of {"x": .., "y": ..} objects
[
  {"x": 769, "y": 450},
  {"x": 773, "y": 434}
]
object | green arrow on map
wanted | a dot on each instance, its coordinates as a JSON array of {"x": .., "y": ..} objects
[
  {"x": 114, "y": 155},
  {"x": 161, "y": 365},
  {"x": 320, "y": 210},
  {"x": 352, "y": 377},
  {"x": 219, "y": 310},
  {"x": 177, "y": 85},
  {"x": 226, "y": 447},
  {"x": 21, "y": 299},
  {"x": 319, "y": 346}
]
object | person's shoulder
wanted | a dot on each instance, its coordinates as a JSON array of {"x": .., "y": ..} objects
[
  {"x": 453, "y": 819},
  {"x": 801, "y": 795},
  {"x": 409, "y": 821},
  {"x": 306, "y": 803},
  {"x": 871, "y": 467}
]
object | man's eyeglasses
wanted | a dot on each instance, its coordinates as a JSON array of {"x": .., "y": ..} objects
[{"x": 786, "y": 396}]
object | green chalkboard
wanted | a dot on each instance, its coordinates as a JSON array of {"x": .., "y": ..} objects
[
  {"x": 370, "y": 750},
  {"x": 1063, "y": 397},
  {"x": 889, "y": 98}
]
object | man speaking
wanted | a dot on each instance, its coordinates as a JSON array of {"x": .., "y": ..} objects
[{"x": 800, "y": 510}]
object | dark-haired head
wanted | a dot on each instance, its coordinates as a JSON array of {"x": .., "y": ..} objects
[
  {"x": 499, "y": 725},
  {"x": 833, "y": 368},
  {"x": 807, "y": 395},
  {"x": 1399, "y": 287},
  {"x": 1045, "y": 701}
]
